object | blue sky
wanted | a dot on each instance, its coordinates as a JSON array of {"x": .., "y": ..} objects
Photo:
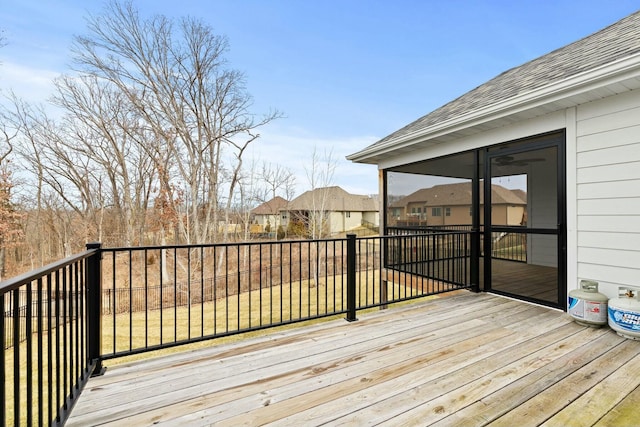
[{"x": 345, "y": 73}]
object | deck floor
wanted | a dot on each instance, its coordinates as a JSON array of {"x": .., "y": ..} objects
[
  {"x": 529, "y": 280},
  {"x": 464, "y": 360}
]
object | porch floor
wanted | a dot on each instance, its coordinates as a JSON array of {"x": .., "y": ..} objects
[{"x": 463, "y": 360}]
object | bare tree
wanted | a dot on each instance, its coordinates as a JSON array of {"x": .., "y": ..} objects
[
  {"x": 17, "y": 118},
  {"x": 10, "y": 229},
  {"x": 105, "y": 131},
  {"x": 320, "y": 177},
  {"x": 278, "y": 181},
  {"x": 51, "y": 152},
  {"x": 176, "y": 79}
]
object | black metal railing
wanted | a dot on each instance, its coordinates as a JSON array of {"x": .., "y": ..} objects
[
  {"x": 508, "y": 246},
  {"x": 67, "y": 318},
  {"x": 443, "y": 256},
  {"x": 46, "y": 330},
  {"x": 158, "y": 297}
]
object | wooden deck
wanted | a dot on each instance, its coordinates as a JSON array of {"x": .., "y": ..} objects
[
  {"x": 518, "y": 278},
  {"x": 463, "y": 360}
]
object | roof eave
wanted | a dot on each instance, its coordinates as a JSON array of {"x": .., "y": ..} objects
[{"x": 580, "y": 84}]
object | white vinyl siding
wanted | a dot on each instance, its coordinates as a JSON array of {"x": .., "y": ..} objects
[{"x": 608, "y": 191}]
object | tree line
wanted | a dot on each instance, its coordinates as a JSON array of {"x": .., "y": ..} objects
[{"x": 143, "y": 142}]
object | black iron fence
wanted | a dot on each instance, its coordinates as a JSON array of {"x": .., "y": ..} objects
[
  {"x": 61, "y": 322},
  {"x": 48, "y": 349}
]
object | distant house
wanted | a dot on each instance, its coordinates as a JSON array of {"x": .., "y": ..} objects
[
  {"x": 450, "y": 204},
  {"x": 569, "y": 123},
  {"x": 333, "y": 210},
  {"x": 269, "y": 215}
]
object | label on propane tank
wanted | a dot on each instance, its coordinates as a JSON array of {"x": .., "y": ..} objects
[
  {"x": 628, "y": 320},
  {"x": 592, "y": 311}
]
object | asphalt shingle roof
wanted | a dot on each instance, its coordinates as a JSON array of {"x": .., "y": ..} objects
[
  {"x": 610, "y": 44},
  {"x": 270, "y": 207},
  {"x": 335, "y": 199},
  {"x": 460, "y": 195}
]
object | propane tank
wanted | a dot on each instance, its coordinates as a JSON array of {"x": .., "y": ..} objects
[
  {"x": 624, "y": 313},
  {"x": 587, "y": 306}
]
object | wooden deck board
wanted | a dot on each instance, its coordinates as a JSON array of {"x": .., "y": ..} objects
[{"x": 470, "y": 359}]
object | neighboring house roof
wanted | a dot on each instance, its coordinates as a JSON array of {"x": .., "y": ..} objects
[
  {"x": 460, "y": 195},
  {"x": 602, "y": 64},
  {"x": 520, "y": 193},
  {"x": 335, "y": 200},
  {"x": 270, "y": 207}
]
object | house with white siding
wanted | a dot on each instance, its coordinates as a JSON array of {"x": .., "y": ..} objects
[
  {"x": 563, "y": 128},
  {"x": 268, "y": 215}
]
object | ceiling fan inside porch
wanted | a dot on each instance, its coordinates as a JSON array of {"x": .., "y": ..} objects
[{"x": 512, "y": 161}]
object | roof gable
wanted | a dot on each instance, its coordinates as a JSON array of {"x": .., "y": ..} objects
[
  {"x": 334, "y": 199},
  {"x": 460, "y": 195},
  {"x": 543, "y": 75},
  {"x": 270, "y": 207}
]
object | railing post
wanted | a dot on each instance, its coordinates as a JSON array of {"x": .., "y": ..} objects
[
  {"x": 351, "y": 278},
  {"x": 384, "y": 283},
  {"x": 475, "y": 225},
  {"x": 94, "y": 308}
]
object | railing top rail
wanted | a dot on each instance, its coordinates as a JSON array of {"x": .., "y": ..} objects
[
  {"x": 227, "y": 244},
  {"x": 430, "y": 227},
  {"x": 276, "y": 242},
  {"x": 18, "y": 281},
  {"x": 418, "y": 231},
  {"x": 281, "y": 242}
]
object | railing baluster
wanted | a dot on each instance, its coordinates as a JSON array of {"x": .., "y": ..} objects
[
  {"x": 40, "y": 355},
  {"x": 65, "y": 343},
  {"x": 310, "y": 276},
  {"x": 130, "y": 296},
  {"x": 16, "y": 356},
  {"x": 188, "y": 294},
  {"x": 259, "y": 280},
  {"x": 49, "y": 348},
  {"x": 57, "y": 352},
  {"x": 3, "y": 382},
  {"x": 290, "y": 281},
  {"x": 29, "y": 373},
  {"x": 202, "y": 298},
  {"x": 175, "y": 294},
  {"x": 215, "y": 292},
  {"x": 146, "y": 298},
  {"x": 249, "y": 281},
  {"x": 161, "y": 285},
  {"x": 226, "y": 284},
  {"x": 351, "y": 277},
  {"x": 115, "y": 301}
]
